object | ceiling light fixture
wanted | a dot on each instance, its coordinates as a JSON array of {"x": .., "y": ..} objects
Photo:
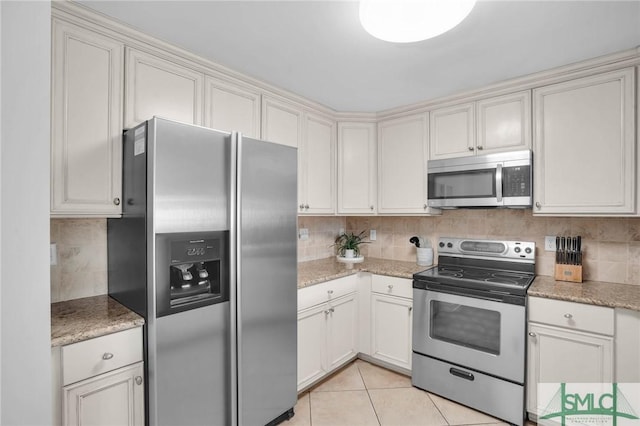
[{"x": 406, "y": 21}]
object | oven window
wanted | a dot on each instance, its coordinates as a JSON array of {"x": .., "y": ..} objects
[
  {"x": 466, "y": 326},
  {"x": 465, "y": 184}
]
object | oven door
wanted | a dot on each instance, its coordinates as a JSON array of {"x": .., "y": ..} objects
[{"x": 484, "y": 335}]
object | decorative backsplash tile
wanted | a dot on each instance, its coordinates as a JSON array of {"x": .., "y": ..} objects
[{"x": 611, "y": 245}]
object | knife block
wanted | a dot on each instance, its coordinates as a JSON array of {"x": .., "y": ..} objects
[{"x": 571, "y": 273}]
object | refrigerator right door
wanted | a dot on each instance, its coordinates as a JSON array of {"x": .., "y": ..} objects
[{"x": 266, "y": 280}]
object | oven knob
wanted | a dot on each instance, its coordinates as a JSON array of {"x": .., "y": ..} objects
[
  {"x": 449, "y": 245},
  {"x": 441, "y": 245},
  {"x": 517, "y": 249},
  {"x": 527, "y": 250}
]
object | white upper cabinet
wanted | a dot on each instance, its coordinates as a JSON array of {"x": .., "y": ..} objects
[
  {"x": 86, "y": 122},
  {"x": 317, "y": 166},
  {"x": 497, "y": 124},
  {"x": 402, "y": 165},
  {"x": 281, "y": 122},
  {"x": 452, "y": 131},
  {"x": 230, "y": 107},
  {"x": 503, "y": 123},
  {"x": 357, "y": 168},
  {"x": 585, "y": 146},
  {"x": 157, "y": 87}
]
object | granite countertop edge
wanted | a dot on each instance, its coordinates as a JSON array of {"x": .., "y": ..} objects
[
  {"x": 77, "y": 320},
  {"x": 612, "y": 295}
]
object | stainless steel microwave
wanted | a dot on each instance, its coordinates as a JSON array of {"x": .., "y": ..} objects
[{"x": 493, "y": 180}]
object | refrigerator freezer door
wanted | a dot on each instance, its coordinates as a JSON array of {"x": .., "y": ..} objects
[
  {"x": 190, "y": 367},
  {"x": 267, "y": 280},
  {"x": 191, "y": 177}
]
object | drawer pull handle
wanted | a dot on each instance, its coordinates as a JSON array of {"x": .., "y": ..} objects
[
  {"x": 107, "y": 356},
  {"x": 138, "y": 380},
  {"x": 463, "y": 374},
  {"x": 532, "y": 334},
  {"x": 568, "y": 316}
]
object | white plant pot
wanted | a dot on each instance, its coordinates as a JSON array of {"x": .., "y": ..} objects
[{"x": 349, "y": 253}]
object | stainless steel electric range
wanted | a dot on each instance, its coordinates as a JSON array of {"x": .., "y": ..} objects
[{"x": 469, "y": 324}]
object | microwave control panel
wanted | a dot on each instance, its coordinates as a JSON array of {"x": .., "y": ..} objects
[{"x": 516, "y": 181}]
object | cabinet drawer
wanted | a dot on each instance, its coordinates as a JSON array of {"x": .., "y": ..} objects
[
  {"x": 577, "y": 316},
  {"x": 96, "y": 356},
  {"x": 320, "y": 293},
  {"x": 394, "y": 286}
]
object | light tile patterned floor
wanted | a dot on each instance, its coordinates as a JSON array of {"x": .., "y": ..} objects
[{"x": 368, "y": 395}]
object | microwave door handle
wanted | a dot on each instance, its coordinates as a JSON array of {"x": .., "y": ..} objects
[{"x": 499, "y": 183}]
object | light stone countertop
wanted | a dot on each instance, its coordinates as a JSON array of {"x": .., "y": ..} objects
[
  {"x": 318, "y": 271},
  {"x": 81, "y": 319},
  {"x": 613, "y": 295}
]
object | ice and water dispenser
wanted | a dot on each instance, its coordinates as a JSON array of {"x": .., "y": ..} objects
[{"x": 192, "y": 270}]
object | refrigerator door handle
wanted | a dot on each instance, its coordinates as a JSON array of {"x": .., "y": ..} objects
[{"x": 234, "y": 276}]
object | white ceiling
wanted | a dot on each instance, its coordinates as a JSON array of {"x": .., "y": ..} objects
[{"x": 318, "y": 49}]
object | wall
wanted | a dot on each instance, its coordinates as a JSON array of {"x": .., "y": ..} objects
[
  {"x": 611, "y": 245},
  {"x": 25, "y": 357}
]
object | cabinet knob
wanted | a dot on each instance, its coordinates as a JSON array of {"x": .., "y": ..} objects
[
  {"x": 480, "y": 148},
  {"x": 470, "y": 148},
  {"x": 568, "y": 316},
  {"x": 424, "y": 207},
  {"x": 138, "y": 380},
  {"x": 538, "y": 205},
  {"x": 410, "y": 308},
  {"x": 107, "y": 356},
  {"x": 371, "y": 207},
  {"x": 532, "y": 334},
  {"x": 301, "y": 206},
  {"x": 116, "y": 201},
  {"x": 306, "y": 206},
  {"x": 390, "y": 286},
  {"x": 329, "y": 292}
]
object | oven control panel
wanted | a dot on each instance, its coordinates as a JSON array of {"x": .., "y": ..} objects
[{"x": 507, "y": 250}]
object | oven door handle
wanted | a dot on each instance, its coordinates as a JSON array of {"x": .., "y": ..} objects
[
  {"x": 463, "y": 374},
  {"x": 499, "y": 183}
]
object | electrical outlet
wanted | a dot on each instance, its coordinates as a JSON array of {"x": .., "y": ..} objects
[
  {"x": 550, "y": 243},
  {"x": 53, "y": 254},
  {"x": 303, "y": 234},
  {"x": 373, "y": 235},
  {"x": 340, "y": 231}
]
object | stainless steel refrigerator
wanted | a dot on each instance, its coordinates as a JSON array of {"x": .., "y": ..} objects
[{"x": 205, "y": 251}]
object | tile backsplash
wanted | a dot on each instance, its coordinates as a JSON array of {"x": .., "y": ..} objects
[{"x": 611, "y": 245}]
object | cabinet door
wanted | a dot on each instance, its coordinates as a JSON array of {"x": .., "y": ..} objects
[
  {"x": 391, "y": 329},
  {"x": 229, "y": 107},
  {"x": 558, "y": 355},
  {"x": 115, "y": 398},
  {"x": 584, "y": 146},
  {"x": 317, "y": 157},
  {"x": 452, "y": 132},
  {"x": 402, "y": 165},
  {"x": 357, "y": 161},
  {"x": 342, "y": 330},
  {"x": 86, "y": 139},
  {"x": 281, "y": 122},
  {"x": 157, "y": 87},
  {"x": 312, "y": 344},
  {"x": 504, "y": 123}
]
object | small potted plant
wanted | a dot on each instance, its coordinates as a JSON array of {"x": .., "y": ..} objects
[{"x": 348, "y": 244}]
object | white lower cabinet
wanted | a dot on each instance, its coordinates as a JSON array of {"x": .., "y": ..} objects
[
  {"x": 391, "y": 316},
  {"x": 99, "y": 381},
  {"x": 114, "y": 398},
  {"x": 567, "y": 343},
  {"x": 327, "y": 328}
]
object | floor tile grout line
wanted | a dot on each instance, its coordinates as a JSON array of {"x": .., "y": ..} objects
[
  {"x": 369, "y": 396},
  {"x": 437, "y": 408}
]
